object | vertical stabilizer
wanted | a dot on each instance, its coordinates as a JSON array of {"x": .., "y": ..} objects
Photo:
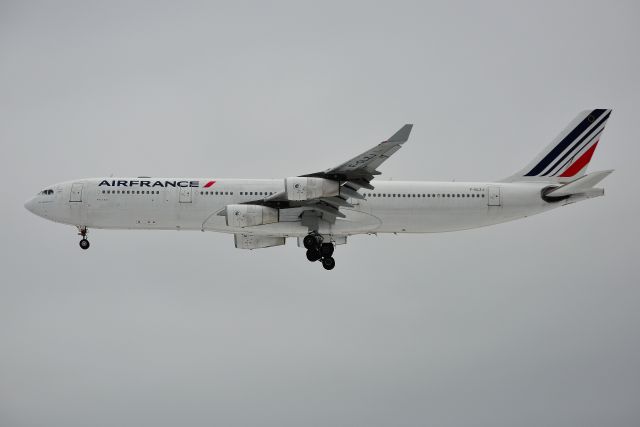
[{"x": 568, "y": 156}]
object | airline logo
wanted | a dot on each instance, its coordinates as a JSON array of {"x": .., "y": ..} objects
[
  {"x": 143, "y": 183},
  {"x": 573, "y": 153}
]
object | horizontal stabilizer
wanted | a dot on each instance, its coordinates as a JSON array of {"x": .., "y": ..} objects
[{"x": 580, "y": 185}]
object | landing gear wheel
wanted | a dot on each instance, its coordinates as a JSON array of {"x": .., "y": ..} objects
[
  {"x": 326, "y": 249},
  {"x": 313, "y": 255},
  {"x": 328, "y": 263},
  {"x": 84, "y": 244},
  {"x": 311, "y": 241}
]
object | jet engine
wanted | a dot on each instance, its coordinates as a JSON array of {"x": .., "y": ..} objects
[
  {"x": 250, "y": 215},
  {"x": 304, "y": 188}
]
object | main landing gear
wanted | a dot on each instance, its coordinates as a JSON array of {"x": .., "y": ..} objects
[
  {"x": 317, "y": 250},
  {"x": 84, "y": 243}
]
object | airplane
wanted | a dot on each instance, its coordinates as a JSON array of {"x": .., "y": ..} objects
[{"x": 322, "y": 209}]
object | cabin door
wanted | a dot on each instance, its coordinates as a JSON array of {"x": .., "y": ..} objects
[
  {"x": 493, "y": 194},
  {"x": 76, "y": 192},
  {"x": 185, "y": 194}
]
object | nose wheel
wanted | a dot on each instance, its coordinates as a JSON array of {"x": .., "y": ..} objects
[
  {"x": 84, "y": 243},
  {"x": 317, "y": 250}
]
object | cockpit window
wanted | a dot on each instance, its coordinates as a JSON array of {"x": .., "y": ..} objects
[{"x": 47, "y": 191}]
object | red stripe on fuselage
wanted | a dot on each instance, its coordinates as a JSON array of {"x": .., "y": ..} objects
[
  {"x": 580, "y": 163},
  {"x": 209, "y": 184}
]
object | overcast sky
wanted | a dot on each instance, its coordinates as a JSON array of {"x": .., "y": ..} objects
[{"x": 530, "y": 323}]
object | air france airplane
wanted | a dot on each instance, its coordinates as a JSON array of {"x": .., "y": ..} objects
[{"x": 322, "y": 209}]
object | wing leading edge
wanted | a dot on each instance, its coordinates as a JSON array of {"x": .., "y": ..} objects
[
  {"x": 360, "y": 170},
  {"x": 351, "y": 175}
]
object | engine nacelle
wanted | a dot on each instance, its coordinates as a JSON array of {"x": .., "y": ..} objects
[
  {"x": 250, "y": 215},
  {"x": 304, "y": 188}
]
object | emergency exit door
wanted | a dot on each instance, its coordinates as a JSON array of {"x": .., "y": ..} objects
[{"x": 493, "y": 196}]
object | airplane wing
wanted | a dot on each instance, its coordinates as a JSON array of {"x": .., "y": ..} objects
[
  {"x": 359, "y": 171},
  {"x": 350, "y": 177}
]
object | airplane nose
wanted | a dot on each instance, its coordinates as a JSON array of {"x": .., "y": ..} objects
[{"x": 30, "y": 205}]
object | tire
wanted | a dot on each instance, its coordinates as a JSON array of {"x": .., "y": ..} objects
[
  {"x": 326, "y": 249},
  {"x": 328, "y": 263},
  {"x": 313, "y": 255},
  {"x": 84, "y": 244},
  {"x": 310, "y": 241}
]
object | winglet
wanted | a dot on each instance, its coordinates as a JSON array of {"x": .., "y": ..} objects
[{"x": 402, "y": 135}]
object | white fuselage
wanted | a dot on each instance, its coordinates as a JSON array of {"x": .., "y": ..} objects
[{"x": 185, "y": 204}]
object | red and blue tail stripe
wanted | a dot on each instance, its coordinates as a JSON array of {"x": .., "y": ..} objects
[
  {"x": 566, "y": 158},
  {"x": 575, "y": 149}
]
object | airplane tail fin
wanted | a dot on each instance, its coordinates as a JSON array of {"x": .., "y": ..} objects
[{"x": 567, "y": 157}]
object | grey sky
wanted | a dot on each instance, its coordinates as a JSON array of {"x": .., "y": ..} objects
[{"x": 529, "y": 323}]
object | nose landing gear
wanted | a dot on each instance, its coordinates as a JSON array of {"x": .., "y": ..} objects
[
  {"x": 84, "y": 243},
  {"x": 319, "y": 251}
]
